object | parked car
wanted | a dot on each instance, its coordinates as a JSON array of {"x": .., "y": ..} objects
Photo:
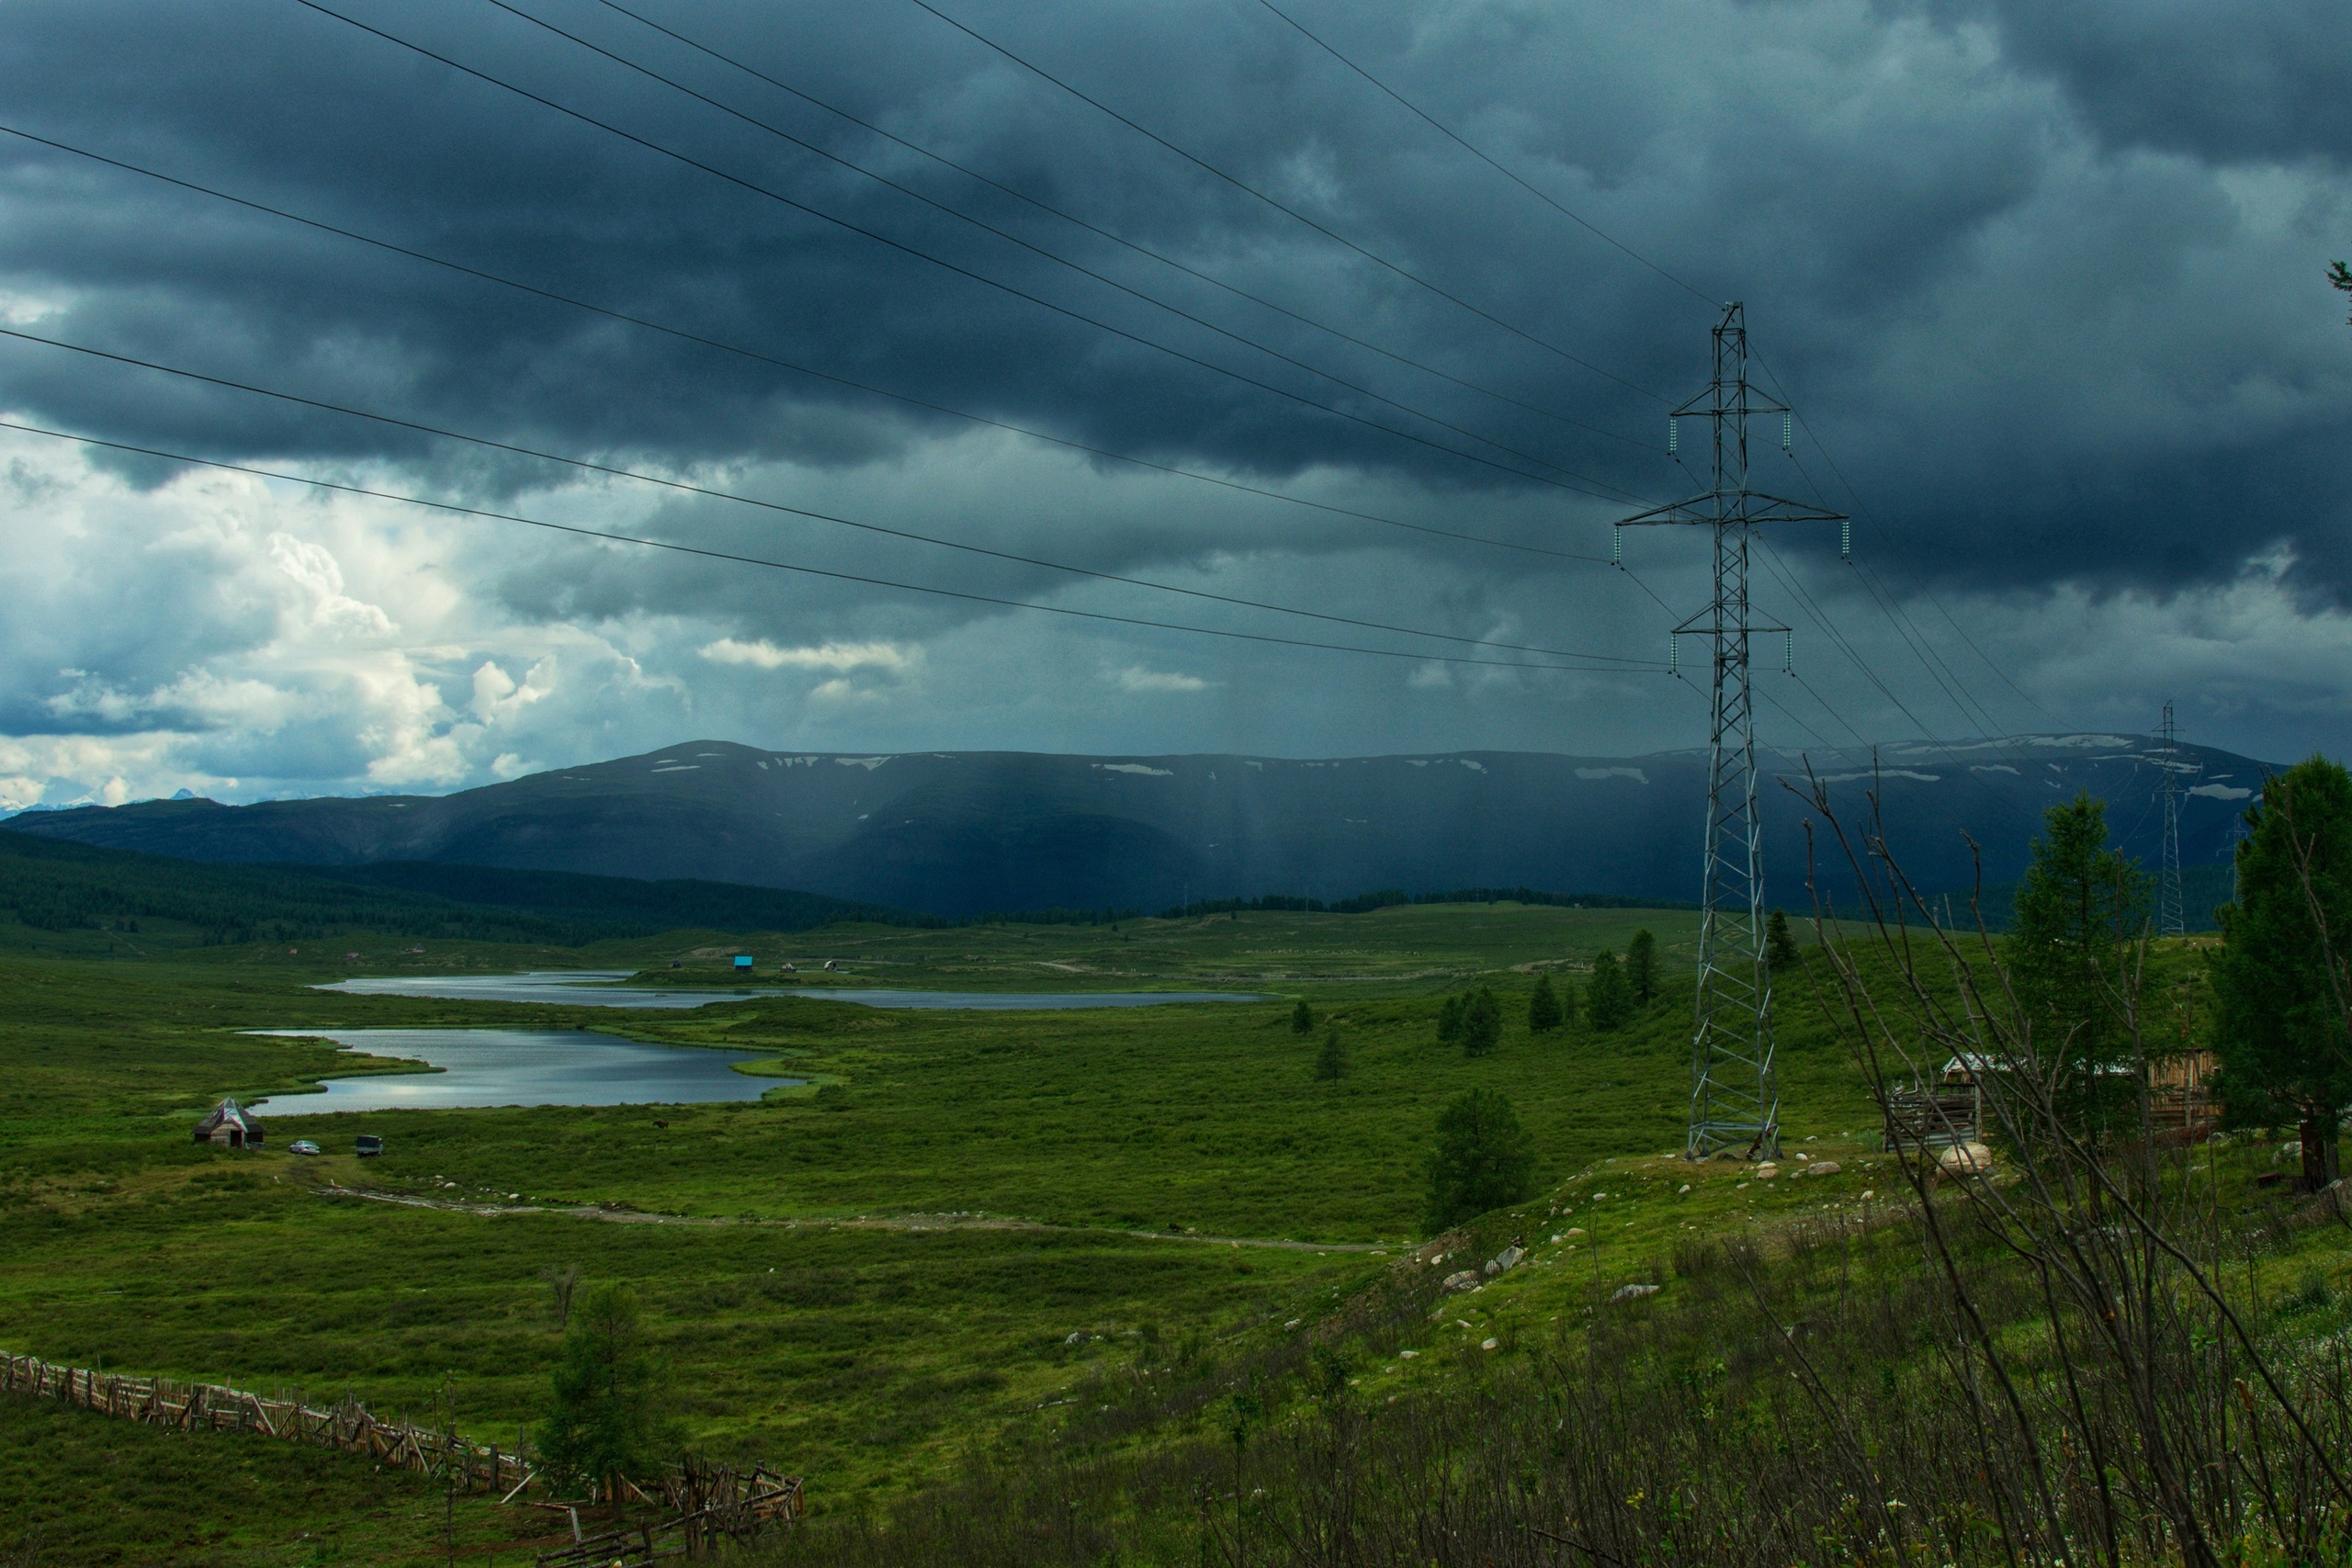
[
  {"x": 303, "y": 1147},
  {"x": 370, "y": 1146}
]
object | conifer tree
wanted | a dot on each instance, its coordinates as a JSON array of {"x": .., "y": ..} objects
[
  {"x": 1301, "y": 1018},
  {"x": 1484, "y": 1159},
  {"x": 1331, "y": 1061},
  {"x": 2280, "y": 981},
  {"x": 1544, "y": 1008},
  {"x": 2077, "y": 905},
  {"x": 605, "y": 1418},
  {"x": 1448, "y": 1021},
  {"x": 1780, "y": 949},
  {"x": 1641, "y": 967},
  {"x": 1608, "y": 1000},
  {"x": 1482, "y": 1022}
]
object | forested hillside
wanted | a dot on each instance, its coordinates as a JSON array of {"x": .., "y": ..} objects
[{"x": 51, "y": 885}]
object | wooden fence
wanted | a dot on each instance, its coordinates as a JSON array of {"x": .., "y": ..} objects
[
  {"x": 706, "y": 1502},
  {"x": 347, "y": 1425},
  {"x": 703, "y": 1502}
]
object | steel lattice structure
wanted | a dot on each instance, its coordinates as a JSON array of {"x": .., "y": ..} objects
[
  {"x": 2171, "y": 919},
  {"x": 1734, "y": 1103}
]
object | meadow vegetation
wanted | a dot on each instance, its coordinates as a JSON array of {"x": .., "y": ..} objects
[{"x": 1078, "y": 1287}]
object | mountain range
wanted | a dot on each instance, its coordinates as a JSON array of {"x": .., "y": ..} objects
[{"x": 958, "y": 833}]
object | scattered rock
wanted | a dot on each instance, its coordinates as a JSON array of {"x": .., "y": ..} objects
[
  {"x": 1634, "y": 1293},
  {"x": 1825, "y": 1168},
  {"x": 1768, "y": 1171},
  {"x": 1294, "y": 1323},
  {"x": 1964, "y": 1160},
  {"x": 1507, "y": 1259},
  {"x": 1684, "y": 1187},
  {"x": 1867, "y": 1195},
  {"x": 1490, "y": 1344},
  {"x": 1408, "y": 1355},
  {"x": 1076, "y": 1336},
  {"x": 1576, "y": 1230},
  {"x": 1461, "y": 1281}
]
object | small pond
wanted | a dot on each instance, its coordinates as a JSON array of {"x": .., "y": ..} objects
[
  {"x": 593, "y": 988},
  {"x": 576, "y": 988},
  {"x": 522, "y": 1067},
  {"x": 1014, "y": 1001}
]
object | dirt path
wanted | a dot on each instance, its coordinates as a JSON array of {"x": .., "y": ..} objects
[{"x": 882, "y": 1222}]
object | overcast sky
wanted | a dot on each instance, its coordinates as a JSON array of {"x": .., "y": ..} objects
[{"x": 2046, "y": 282}]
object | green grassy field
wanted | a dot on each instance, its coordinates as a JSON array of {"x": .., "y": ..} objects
[{"x": 962, "y": 1230}]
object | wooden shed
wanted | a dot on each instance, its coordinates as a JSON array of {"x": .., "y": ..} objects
[{"x": 230, "y": 1126}]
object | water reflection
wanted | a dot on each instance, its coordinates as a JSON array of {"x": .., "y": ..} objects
[
  {"x": 522, "y": 1066},
  {"x": 592, "y": 987}
]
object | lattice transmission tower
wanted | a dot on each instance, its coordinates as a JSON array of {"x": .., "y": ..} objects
[
  {"x": 2171, "y": 917},
  {"x": 1735, "y": 1103}
]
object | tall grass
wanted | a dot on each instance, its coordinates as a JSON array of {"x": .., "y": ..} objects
[{"x": 2061, "y": 1359}]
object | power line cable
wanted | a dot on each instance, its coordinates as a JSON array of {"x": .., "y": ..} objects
[
  {"x": 1447, "y": 131},
  {"x": 704, "y": 553},
  {"x": 1834, "y": 712},
  {"x": 680, "y": 485},
  {"x": 758, "y": 356},
  {"x": 1963, "y": 701},
  {"x": 1887, "y": 538},
  {"x": 1139, "y": 248},
  {"x": 1935, "y": 742},
  {"x": 1009, "y": 238},
  {"x": 881, "y": 239},
  {"x": 1939, "y": 669},
  {"x": 1287, "y": 211}
]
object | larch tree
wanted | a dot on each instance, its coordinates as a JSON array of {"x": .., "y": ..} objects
[
  {"x": 1544, "y": 1008},
  {"x": 2079, "y": 905},
  {"x": 605, "y": 1418},
  {"x": 1484, "y": 1159},
  {"x": 1331, "y": 1061},
  {"x": 1641, "y": 967},
  {"x": 2280, "y": 988},
  {"x": 1608, "y": 1000},
  {"x": 1482, "y": 1022}
]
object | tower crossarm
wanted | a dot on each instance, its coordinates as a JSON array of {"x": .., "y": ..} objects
[{"x": 1750, "y": 506}]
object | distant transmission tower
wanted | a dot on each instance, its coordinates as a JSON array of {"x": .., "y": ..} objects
[
  {"x": 1734, "y": 1103},
  {"x": 2170, "y": 919}
]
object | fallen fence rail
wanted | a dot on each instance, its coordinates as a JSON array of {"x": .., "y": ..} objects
[
  {"x": 346, "y": 1424},
  {"x": 712, "y": 1502}
]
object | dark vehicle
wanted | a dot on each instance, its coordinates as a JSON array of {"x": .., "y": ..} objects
[{"x": 370, "y": 1146}]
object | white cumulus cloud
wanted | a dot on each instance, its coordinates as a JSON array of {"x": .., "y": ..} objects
[
  {"x": 840, "y": 657},
  {"x": 1136, "y": 677}
]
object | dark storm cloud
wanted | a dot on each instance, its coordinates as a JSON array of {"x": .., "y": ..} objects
[
  {"x": 2204, "y": 77},
  {"x": 1969, "y": 300}
]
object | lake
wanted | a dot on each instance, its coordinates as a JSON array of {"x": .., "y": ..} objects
[
  {"x": 592, "y": 988},
  {"x": 522, "y": 1067}
]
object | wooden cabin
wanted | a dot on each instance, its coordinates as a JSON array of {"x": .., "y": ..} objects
[
  {"x": 1951, "y": 1107},
  {"x": 230, "y": 1126},
  {"x": 2180, "y": 1092}
]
